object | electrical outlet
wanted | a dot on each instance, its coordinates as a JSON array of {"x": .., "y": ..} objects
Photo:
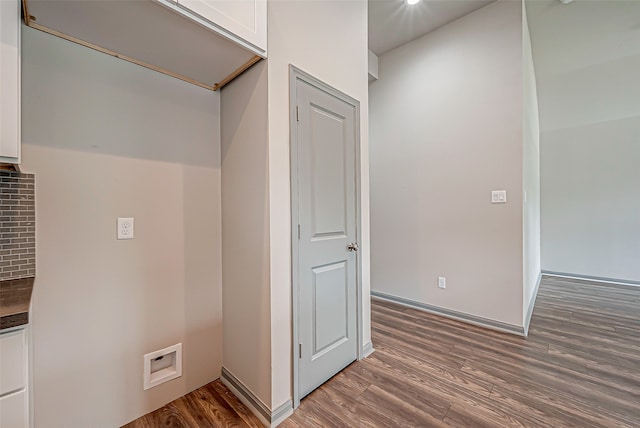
[
  {"x": 125, "y": 228},
  {"x": 442, "y": 282}
]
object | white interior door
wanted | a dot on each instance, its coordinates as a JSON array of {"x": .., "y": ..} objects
[{"x": 326, "y": 140}]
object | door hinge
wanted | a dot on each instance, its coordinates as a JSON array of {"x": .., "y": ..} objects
[
  {"x": 298, "y": 231},
  {"x": 297, "y": 115},
  {"x": 300, "y": 350}
]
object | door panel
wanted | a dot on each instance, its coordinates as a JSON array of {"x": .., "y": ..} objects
[
  {"x": 326, "y": 212},
  {"x": 330, "y": 307},
  {"x": 328, "y": 185}
]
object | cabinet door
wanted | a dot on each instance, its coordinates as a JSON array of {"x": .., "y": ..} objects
[
  {"x": 10, "y": 14},
  {"x": 14, "y": 409},
  {"x": 246, "y": 19},
  {"x": 13, "y": 357}
]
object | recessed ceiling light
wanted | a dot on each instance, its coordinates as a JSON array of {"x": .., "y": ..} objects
[{"x": 410, "y": 2}]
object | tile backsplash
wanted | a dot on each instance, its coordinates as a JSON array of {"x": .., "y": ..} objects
[{"x": 17, "y": 225}]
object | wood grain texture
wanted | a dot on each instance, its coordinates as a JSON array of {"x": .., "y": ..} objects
[
  {"x": 580, "y": 367},
  {"x": 244, "y": 67},
  {"x": 213, "y": 406}
]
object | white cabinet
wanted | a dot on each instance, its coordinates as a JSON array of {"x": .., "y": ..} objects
[
  {"x": 246, "y": 19},
  {"x": 14, "y": 409},
  {"x": 13, "y": 368},
  {"x": 10, "y": 14},
  {"x": 14, "y": 402}
]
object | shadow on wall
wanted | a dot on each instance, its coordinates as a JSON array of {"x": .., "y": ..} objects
[
  {"x": 587, "y": 59},
  {"x": 108, "y": 139},
  {"x": 246, "y": 231},
  {"x": 202, "y": 275}
]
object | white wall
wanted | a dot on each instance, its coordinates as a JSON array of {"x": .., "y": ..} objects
[
  {"x": 373, "y": 66},
  {"x": 106, "y": 138},
  {"x": 587, "y": 56},
  {"x": 531, "y": 174},
  {"x": 245, "y": 233},
  {"x": 591, "y": 200},
  {"x": 446, "y": 129},
  {"x": 313, "y": 36},
  {"x": 327, "y": 39}
]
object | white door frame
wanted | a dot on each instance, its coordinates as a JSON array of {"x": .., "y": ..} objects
[{"x": 295, "y": 75}]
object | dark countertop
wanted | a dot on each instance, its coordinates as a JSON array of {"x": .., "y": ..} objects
[{"x": 15, "y": 299}]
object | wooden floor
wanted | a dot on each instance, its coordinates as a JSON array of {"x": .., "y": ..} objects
[
  {"x": 213, "y": 405},
  {"x": 580, "y": 367}
]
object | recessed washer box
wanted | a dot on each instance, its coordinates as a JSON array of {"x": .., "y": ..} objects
[{"x": 162, "y": 366}]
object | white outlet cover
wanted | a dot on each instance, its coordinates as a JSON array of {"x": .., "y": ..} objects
[
  {"x": 442, "y": 282},
  {"x": 125, "y": 228},
  {"x": 499, "y": 197}
]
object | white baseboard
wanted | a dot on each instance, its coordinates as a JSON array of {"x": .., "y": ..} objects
[
  {"x": 270, "y": 418},
  {"x": 460, "y": 316},
  {"x": 367, "y": 349},
  {"x": 532, "y": 302},
  {"x": 280, "y": 413},
  {"x": 592, "y": 278}
]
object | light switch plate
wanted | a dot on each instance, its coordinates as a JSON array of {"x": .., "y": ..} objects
[
  {"x": 442, "y": 282},
  {"x": 125, "y": 228},
  {"x": 499, "y": 197}
]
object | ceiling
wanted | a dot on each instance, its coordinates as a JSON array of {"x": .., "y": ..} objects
[{"x": 393, "y": 22}]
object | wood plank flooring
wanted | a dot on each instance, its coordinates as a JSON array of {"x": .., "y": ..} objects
[
  {"x": 580, "y": 367},
  {"x": 213, "y": 405}
]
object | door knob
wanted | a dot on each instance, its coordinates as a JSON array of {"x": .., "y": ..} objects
[{"x": 352, "y": 247}]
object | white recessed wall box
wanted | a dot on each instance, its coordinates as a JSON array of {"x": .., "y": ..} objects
[{"x": 162, "y": 366}]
